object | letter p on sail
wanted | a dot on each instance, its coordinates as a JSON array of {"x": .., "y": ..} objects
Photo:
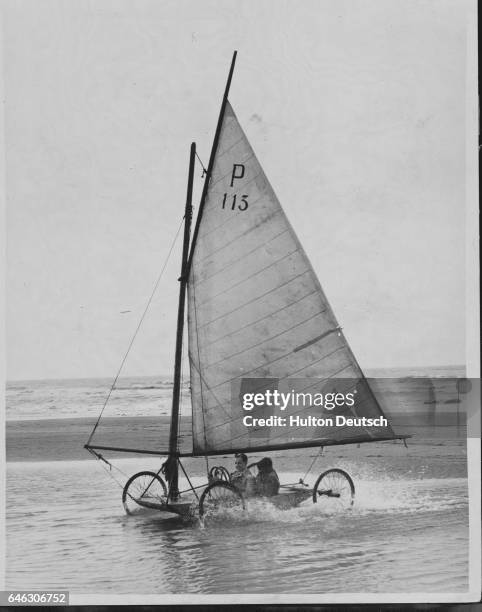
[{"x": 237, "y": 174}]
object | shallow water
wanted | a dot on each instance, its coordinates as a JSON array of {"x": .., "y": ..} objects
[
  {"x": 66, "y": 529},
  {"x": 85, "y": 397}
]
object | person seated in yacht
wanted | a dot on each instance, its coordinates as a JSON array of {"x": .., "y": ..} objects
[
  {"x": 267, "y": 481},
  {"x": 242, "y": 479}
]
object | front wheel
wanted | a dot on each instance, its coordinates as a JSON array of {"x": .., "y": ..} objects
[
  {"x": 219, "y": 496},
  {"x": 337, "y": 486},
  {"x": 145, "y": 489}
]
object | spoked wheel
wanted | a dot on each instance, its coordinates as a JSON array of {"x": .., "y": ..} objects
[
  {"x": 218, "y": 496},
  {"x": 218, "y": 472},
  {"x": 145, "y": 489},
  {"x": 337, "y": 486}
]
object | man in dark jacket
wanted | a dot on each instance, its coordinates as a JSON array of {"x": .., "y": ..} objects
[{"x": 267, "y": 481}]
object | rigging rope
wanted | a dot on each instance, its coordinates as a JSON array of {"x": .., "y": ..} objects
[
  {"x": 320, "y": 452},
  {"x": 137, "y": 329},
  {"x": 204, "y": 169},
  {"x": 111, "y": 465}
]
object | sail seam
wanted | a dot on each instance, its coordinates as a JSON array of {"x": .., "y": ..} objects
[
  {"x": 291, "y": 374},
  {"x": 254, "y": 299},
  {"x": 209, "y": 389},
  {"x": 277, "y": 261},
  {"x": 243, "y": 374},
  {"x": 264, "y": 341},
  {"x": 230, "y": 146},
  {"x": 262, "y": 387},
  {"x": 270, "y": 314},
  {"x": 237, "y": 260},
  {"x": 201, "y": 378},
  {"x": 235, "y": 216}
]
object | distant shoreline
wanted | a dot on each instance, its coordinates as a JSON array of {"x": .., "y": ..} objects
[{"x": 64, "y": 439}]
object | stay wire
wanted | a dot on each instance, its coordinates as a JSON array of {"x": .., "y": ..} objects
[
  {"x": 111, "y": 467},
  {"x": 137, "y": 330},
  {"x": 204, "y": 169},
  {"x": 320, "y": 452}
]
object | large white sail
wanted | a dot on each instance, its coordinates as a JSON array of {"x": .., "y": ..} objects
[{"x": 256, "y": 311}]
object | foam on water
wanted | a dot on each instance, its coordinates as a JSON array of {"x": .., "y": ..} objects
[{"x": 395, "y": 497}]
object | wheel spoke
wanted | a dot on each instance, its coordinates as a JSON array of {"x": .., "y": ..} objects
[
  {"x": 145, "y": 487},
  {"x": 219, "y": 495},
  {"x": 336, "y": 486}
]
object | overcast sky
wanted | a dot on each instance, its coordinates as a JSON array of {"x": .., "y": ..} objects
[{"x": 356, "y": 110}]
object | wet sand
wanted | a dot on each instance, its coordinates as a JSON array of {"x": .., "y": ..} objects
[
  {"x": 406, "y": 403},
  {"x": 64, "y": 439},
  {"x": 442, "y": 450}
]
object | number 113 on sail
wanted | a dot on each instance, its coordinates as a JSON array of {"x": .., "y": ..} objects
[{"x": 231, "y": 203}]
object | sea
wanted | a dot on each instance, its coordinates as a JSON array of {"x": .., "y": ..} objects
[
  {"x": 407, "y": 531},
  {"x": 148, "y": 396}
]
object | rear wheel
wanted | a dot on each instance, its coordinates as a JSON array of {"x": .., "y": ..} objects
[
  {"x": 146, "y": 490},
  {"x": 335, "y": 486},
  {"x": 219, "y": 496}
]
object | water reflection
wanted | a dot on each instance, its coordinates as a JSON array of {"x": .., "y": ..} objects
[{"x": 66, "y": 529}]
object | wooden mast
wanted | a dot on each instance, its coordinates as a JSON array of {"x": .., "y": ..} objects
[
  {"x": 172, "y": 468},
  {"x": 211, "y": 160},
  {"x": 172, "y": 471}
]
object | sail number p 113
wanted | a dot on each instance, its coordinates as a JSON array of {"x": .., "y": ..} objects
[{"x": 232, "y": 204}]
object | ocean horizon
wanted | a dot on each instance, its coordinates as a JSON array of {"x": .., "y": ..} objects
[
  {"x": 389, "y": 372},
  {"x": 148, "y": 396}
]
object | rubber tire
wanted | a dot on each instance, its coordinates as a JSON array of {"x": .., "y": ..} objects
[
  {"x": 131, "y": 480},
  {"x": 337, "y": 471}
]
